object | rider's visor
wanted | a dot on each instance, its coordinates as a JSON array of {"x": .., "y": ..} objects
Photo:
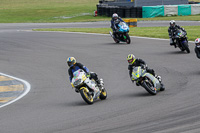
[
  {"x": 69, "y": 63},
  {"x": 131, "y": 60}
]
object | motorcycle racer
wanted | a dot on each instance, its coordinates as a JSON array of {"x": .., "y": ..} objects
[
  {"x": 197, "y": 47},
  {"x": 171, "y": 30},
  {"x": 133, "y": 62},
  {"x": 114, "y": 23},
  {"x": 74, "y": 66}
]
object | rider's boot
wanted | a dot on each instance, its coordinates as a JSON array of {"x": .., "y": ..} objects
[
  {"x": 159, "y": 78},
  {"x": 175, "y": 45},
  {"x": 162, "y": 88},
  {"x": 100, "y": 83}
]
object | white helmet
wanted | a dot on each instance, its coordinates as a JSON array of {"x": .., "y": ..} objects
[
  {"x": 172, "y": 23},
  {"x": 115, "y": 16}
]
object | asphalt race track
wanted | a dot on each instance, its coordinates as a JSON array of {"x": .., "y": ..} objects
[{"x": 52, "y": 106}]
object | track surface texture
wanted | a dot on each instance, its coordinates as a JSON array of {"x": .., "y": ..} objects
[{"x": 52, "y": 106}]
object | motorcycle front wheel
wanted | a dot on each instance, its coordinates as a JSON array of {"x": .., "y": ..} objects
[
  {"x": 86, "y": 96},
  {"x": 149, "y": 87},
  {"x": 128, "y": 40}
]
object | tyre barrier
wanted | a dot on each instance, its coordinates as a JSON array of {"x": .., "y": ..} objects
[
  {"x": 148, "y": 11},
  {"x": 124, "y": 12}
]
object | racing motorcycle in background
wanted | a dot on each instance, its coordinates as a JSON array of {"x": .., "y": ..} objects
[
  {"x": 88, "y": 88},
  {"x": 181, "y": 40},
  {"x": 146, "y": 80},
  {"x": 197, "y": 50},
  {"x": 122, "y": 34}
]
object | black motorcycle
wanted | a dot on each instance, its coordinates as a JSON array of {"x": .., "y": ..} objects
[
  {"x": 197, "y": 50},
  {"x": 181, "y": 40}
]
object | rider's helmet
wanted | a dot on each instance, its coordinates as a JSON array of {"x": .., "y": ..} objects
[
  {"x": 115, "y": 16},
  {"x": 172, "y": 23},
  {"x": 197, "y": 41},
  {"x": 71, "y": 61},
  {"x": 131, "y": 59}
]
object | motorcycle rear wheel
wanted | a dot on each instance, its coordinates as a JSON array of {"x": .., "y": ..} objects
[
  {"x": 149, "y": 87},
  {"x": 185, "y": 45},
  {"x": 103, "y": 94},
  {"x": 116, "y": 41},
  {"x": 86, "y": 96}
]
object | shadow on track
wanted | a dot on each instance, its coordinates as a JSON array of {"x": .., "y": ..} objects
[
  {"x": 77, "y": 103},
  {"x": 194, "y": 73},
  {"x": 115, "y": 44},
  {"x": 175, "y": 52},
  {"x": 141, "y": 94}
]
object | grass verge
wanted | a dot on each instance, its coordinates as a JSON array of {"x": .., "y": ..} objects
[
  {"x": 54, "y": 11},
  {"x": 154, "y": 32}
]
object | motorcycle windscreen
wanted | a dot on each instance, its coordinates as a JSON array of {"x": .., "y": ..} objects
[
  {"x": 123, "y": 27},
  {"x": 136, "y": 73}
]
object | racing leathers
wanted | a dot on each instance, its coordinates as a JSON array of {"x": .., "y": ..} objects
[
  {"x": 171, "y": 31},
  {"x": 139, "y": 62},
  {"x": 114, "y": 25},
  {"x": 197, "y": 51}
]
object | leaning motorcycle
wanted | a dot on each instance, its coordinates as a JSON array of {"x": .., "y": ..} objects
[
  {"x": 87, "y": 87},
  {"x": 197, "y": 50},
  {"x": 181, "y": 40},
  {"x": 146, "y": 80},
  {"x": 122, "y": 35}
]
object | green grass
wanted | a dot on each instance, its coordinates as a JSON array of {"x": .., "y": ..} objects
[
  {"x": 155, "y": 32},
  {"x": 15, "y": 11},
  {"x": 42, "y": 11}
]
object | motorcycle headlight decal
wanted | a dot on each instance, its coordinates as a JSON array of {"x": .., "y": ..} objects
[{"x": 77, "y": 82}]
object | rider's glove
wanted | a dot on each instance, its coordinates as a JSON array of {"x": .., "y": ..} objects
[
  {"x": 87, "y": 75},
  {"x": 72, "y": 85},
  {"x": 144, "y": 66}
]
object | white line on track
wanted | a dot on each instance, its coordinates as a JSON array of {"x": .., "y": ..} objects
[{"x": 27, "y": 89}]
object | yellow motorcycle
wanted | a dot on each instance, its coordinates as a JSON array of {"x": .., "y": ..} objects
[
  {"x": 146, "y": 80},
  {"x": 87, "y": 87}
]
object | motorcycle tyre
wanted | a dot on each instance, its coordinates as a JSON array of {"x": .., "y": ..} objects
[
  {"x": 148, "y": 89},
  {"x": 128, "y": 40},
  {"x": 87, "y": 98},
  {"x": 185, "y": 45},
  {"x": 103, "y": 94},
  {"x": 116, "y": 41}
]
